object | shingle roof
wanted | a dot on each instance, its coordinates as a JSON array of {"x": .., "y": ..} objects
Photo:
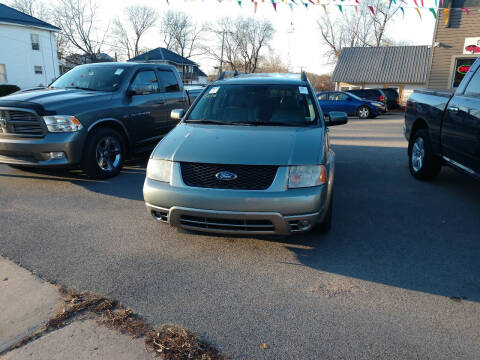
[
  {"x": 382, "y": 65},
  {"x": 12, "y": 16},
  {"x": 163, "y": 54}
]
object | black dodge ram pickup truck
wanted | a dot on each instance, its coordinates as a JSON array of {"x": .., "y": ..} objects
[
  {"x": 93, "y": 116},
  {"x": 444, "y": 128}
]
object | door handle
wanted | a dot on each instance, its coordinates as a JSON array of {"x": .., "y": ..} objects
[
  {"x": 453, "y": 108},
  {"x": 160, "y": 102}
]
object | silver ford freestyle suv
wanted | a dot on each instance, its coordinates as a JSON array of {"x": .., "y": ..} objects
[{"x": 250, "y": 156}]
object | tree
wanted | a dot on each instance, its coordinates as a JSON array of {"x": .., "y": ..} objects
[
  {"x": 79, "y": 22},
  {"x": 321, "y": 82},
  {"x": 272, "y": 64},
  {"x": 357, "y": 29},
  {"x": 181, "y": 34},
  {"x": 140, "y": 18},
  {"x": 240, "y": 42}
]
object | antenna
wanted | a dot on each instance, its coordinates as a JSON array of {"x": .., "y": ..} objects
[{"x": 290, "y": 33}]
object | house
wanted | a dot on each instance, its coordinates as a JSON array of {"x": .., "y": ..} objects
[
  {"x": 189, "y": 70},
  {"x": 402, "y": 67},
  {"x": 28, "y": 56},
  {"x": 456, "y": 44}
]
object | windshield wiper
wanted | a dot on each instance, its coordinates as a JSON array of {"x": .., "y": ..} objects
[
  {"x": 79, "y": 87},
  {"x": 276, "y": 123},
  {"x": 215, "y": 122}
]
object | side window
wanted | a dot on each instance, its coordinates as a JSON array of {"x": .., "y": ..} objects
[
  {"x": 145, "y": 82},
  {"x": 322, "y": 97},
  {"x": 337, "y": 97},
  {"x": 3, "y": 73},
  {"x": 38, "y": 70},
  {"x": 169, "y": 81},
  {"x": 35, "y": 41},
  {"x": 473, "y": 87}
]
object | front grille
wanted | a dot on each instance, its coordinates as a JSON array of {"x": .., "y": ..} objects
[
  {"x": 248, "y": 177},
  {"x": 17, "y": 122},
  {"x": 240, "y": 225}
]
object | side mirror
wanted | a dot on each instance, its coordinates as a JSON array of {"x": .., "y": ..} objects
[
  {"x": 177, "y": 114},
  {"x": 336, "y": 118}
]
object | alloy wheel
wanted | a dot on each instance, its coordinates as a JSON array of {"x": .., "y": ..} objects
[
  {"x": 418, "y": 154},
  {"x": 108, "y": 153}
]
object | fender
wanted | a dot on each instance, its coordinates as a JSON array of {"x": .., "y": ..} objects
[{"x": 117, "y": 122}]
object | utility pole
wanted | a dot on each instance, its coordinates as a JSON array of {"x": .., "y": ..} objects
[
  {"x": 221, "y": 54},
  {"x": 290, "y": 33}
]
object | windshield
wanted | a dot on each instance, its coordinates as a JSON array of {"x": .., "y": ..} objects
[
  {"x": 96, "y": 78},
  {"x": 289, "y": 105}
]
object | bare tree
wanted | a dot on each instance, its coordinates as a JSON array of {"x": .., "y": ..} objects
[
  {"x": 140, "y": 18},
  {"x": 35, "y": 8},
  {"x": 271, "y": 64},
  {"x": 80, "y": 25},
  {"x": 181, "y": 34},
  {"x": 360, "y": 28},
  {"x": 242, "y": 40}
]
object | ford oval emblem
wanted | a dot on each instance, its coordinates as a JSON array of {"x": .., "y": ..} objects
[{"x": 226, "y": 175}]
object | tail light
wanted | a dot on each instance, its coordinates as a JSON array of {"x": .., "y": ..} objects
[{"x": 381, "y": 98}]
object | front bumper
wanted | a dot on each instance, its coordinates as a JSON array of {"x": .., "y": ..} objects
[
  {"x": 35, "y": 152},
  {"x": 273, "y": 211}
]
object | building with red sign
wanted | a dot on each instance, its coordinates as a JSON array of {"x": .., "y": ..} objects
[{"x": 456, "y": 44}]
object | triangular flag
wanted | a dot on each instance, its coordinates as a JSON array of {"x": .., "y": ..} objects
[
  {"x": 357, "y": 1},
  {"x": 356, "y": 9},
  {"x": 403, "y": 11},
  {"x": 419, "y": 13},
  {"x": 371, "y": 10},
  {"x": 416, "y": 4},
  {"x": 432, "y": 10},
  {"x": 446, "y": 13},
  {"x": 340, "y": 8},
  {"x": 312, "y": 2},
  {"x": 274, "y": 6},
  {"x": 239, "y": 2},
  {"x": 306, "y": 5},
  {"x": 291, "y": 7},
  {"x": 255, "y": 4},
  {"x": 324, "y": 8},
  {"x": 436, "y": 3},
  {"x": 422, "y": 3},
  {"x": 466, "y": 10}
]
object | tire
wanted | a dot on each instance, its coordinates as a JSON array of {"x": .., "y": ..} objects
[
  {"x": 326, "y": 225},
  {"x": 423, "y": 163},
  {"x": 363, "y": 112},
  {"x": 104, "y": 154}
]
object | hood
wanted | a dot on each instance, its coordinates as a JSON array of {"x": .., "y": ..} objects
[
  {"x": 253, "y": 145},
  {"x": 58, "y": 100}
]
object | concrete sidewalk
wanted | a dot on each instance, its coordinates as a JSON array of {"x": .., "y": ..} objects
[{"x": 27, "y": 303}]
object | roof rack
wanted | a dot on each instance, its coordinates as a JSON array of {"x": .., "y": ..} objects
[{"x": 235, "y": 73}]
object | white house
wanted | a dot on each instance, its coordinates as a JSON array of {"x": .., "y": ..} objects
[{"x": 28, "y": 50}]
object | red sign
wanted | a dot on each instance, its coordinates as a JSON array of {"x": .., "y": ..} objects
[
  {"x": 474, "y": 49},
  {"x": 463, "y": 69}
]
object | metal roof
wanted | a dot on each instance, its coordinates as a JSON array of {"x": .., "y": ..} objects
[
  {"x": 383, "y": 65},
  {"x": 163, "y": 54},
  {"x": 11, "y": 16}
]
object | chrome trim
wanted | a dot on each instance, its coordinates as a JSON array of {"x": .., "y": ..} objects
[{"x": 463, "y": 167}]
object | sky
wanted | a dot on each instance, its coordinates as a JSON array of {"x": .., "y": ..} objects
[{"x": 303, "y": 48}]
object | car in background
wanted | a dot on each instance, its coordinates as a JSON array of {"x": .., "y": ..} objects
[
  {"x": 392, "y": 99},
  {"x": 371, "y": 94},
  {"x": 349, "y": 103},
  {"x": 250, "y": 156}
]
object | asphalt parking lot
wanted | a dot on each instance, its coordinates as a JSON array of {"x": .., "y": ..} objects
[{"x": 398, "y": 277}]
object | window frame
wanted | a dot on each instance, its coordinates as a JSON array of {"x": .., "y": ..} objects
[
  {"x": 4, "y": 74},
  {"x": 35, "y": 43}
]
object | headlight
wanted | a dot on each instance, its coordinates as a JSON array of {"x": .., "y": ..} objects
[
  {"x": 306, "y": 176},
  {"x": 62, "y": 123},
  {"x": 160, "y": 170}
]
